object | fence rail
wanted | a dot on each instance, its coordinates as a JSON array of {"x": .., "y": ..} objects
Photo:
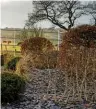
[
  {"x": 20, "y": 39},
  {"x": 12, "y": 51},
  {"x": 10, "y": 44}
]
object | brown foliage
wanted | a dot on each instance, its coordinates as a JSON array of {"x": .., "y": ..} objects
[
  {"x": 37, "y": 60},
  {"x": 79, "y": 66},
  {"x": 36, "y": 44},
  {"x": 84, "y": 35},
  {"x": 52, "y": 58},
  {"x": 77, "y": 58},
  {"x": 37, "y": 52},
  {"x": 79, "y": 39}
]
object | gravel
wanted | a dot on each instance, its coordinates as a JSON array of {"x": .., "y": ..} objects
[{"x": 39, "y": 94}]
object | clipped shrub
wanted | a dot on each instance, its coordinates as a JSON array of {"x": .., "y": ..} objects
[
  {"x": 11, "y": 65},
  {"x": 11, "y": 86},
  {"x": 34, "y": 54},
  {"x": 36, "y": 44}
]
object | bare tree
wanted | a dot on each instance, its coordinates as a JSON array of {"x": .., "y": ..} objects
[
  {"x": 60, "y": 13},
  {"x": 91, "y": 10},
  {"x": 24, "y": 34}
]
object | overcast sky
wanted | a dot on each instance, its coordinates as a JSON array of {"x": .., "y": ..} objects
[{"x": 15, "y": 13}]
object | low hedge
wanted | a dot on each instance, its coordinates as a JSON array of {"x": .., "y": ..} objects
[
  {"x": 12, "y": 63},
  {"x": 11, "y": 86}
]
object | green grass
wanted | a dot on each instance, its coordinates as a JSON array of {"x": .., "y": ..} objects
[{"x": 10, "y": 48}]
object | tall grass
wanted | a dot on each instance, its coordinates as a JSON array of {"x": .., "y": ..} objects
[{"x": 79, "y": 67}]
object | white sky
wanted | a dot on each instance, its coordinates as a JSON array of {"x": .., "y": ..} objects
[{"x": 14, "y": 13}]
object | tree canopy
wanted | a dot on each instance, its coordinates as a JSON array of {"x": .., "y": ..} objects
[
  {"x": 91, "y": 10},
  {"x": 61, "y": 13}
]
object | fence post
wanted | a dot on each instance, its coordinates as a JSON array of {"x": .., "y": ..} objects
[
  {"x": 1, "y": 48},
  {"x": 58, "y": 39},
  {"x": 14, "y": 42}
]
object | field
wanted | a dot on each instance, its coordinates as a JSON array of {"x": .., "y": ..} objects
[
  {"x": 8, "y": 35},
  {"x": 10, "y": 48},
  {"x": 17, "y": 48}
]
